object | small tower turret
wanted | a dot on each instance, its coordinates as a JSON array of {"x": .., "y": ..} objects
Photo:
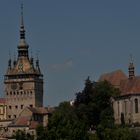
[
  {"x": 9, "y": 64},
  {"x": 131, "y": 69},
  {"x": 37, "y": 66}
]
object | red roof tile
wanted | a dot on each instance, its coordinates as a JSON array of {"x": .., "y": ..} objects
[
  {"x": 22, "y": 120},
  {"x": 114, "y": 77},
  {"x": 130, "y": 86},
  {"x": 120, "y": 80}
]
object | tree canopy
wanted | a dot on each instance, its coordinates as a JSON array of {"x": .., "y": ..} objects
[
  {"x": 65, "y": 125},
  {"x": 94, "y": 103}
]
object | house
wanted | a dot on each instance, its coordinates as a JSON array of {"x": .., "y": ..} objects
[{"x": 29, "y": 119}]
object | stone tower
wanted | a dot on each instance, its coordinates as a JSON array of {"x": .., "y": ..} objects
[{"x": 23, "y": 79}]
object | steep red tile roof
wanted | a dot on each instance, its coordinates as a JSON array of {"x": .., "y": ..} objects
[
  {"x": 120, "y": 80},
  {"x": 22, "y": 121},
  {"x": 114, "y": 77},
  {"x": 130, "y": 86}
]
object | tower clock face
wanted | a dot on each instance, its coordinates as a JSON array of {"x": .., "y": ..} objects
[{"x": 14, "y": 86}]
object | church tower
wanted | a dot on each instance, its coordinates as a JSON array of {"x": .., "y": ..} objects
[{"x": 23, "y": 79}]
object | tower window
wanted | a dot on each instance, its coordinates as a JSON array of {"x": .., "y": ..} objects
[
  {"x": 10, "y": 107},
  {"x": 31, "y": 105},
  {"x": 9, "y": 116},
  {"x": 15, "y": 116},
  {"x": 20, "y": 85},
  {"x": 21, "y": 106},
  {"x": 136, "y": 105},
  {"x": 16, "y": 107}
]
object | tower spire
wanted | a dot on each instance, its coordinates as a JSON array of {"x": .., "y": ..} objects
[
  {"x": 22, "y": 30},
  {"x": 22, "y": 46}
]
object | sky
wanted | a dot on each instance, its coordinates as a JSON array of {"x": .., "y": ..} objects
[{"x": 74, "y": 39}]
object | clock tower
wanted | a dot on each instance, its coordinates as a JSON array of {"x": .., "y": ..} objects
[{"x": 23, "y": 79}]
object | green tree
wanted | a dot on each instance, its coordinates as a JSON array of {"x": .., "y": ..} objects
[
  {"x": 41, "y": 133},
  {"x": 116, "y": 133},
  {"x": 65, "y": 125},
  {"x": 22, "y": 135},
  {"x": 94, "y": 103}
]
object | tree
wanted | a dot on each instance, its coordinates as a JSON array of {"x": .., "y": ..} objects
[
  {"x": 65, "y": 125},
  {"x": 94, "y": 103},
  {"x": 41, "y": 133},
  {"x": 116, "y": 133},
  {"x": 22, "y": 135},
  {"x": 85, "y": 96}
]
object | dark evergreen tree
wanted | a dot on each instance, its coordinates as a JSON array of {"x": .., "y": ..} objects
[{"x": 93, "y": 105}]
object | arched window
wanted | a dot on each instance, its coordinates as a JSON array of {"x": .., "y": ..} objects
[{"x": 136, "y": 105}]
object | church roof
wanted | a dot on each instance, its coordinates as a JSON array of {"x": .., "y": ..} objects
[
  {"x": 121, "y": 81},
  {"x": 130, "y": 86},
  {"x": 114, "y": 77}
]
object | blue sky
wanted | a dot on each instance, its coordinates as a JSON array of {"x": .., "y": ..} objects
[{"x": 74, "y": 38}]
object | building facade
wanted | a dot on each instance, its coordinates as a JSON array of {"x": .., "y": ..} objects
[{"x": 23, "y": 80}]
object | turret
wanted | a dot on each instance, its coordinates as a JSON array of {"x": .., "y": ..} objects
[
  {"x": 131, "y": 69},
  {"x": 37, "y": 66}
]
